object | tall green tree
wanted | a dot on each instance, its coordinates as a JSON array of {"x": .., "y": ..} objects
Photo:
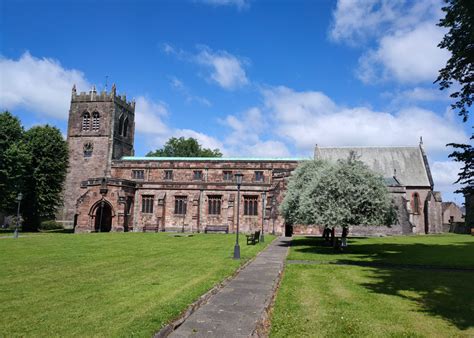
[
  {"x": 337, "y": 195},
  {"x": 13, "y": 161},
  {"x": 459, "y": 72},
  {"x": 47, "y": 172},
  {"x": 184, "y": 147}
]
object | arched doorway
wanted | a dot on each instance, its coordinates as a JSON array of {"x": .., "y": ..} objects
[{"x": 103, "y": 217}]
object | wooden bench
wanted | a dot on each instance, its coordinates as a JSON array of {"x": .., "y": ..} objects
[
  {"x": 153, "y": 228},
  {"x": 253, "y": 238},
  {"x": 216, "y": 229}
]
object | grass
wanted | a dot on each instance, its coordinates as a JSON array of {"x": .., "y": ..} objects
[
  {"x": 448, "y": 250},
  {"x": 326, "y": 300},
  {"x": 115, "y": 284}
]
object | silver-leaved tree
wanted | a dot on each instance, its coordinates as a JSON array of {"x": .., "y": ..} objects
[{"x": 337, "y": 195}]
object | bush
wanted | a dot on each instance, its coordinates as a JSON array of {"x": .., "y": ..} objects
[{"x": 50, "y": 225}]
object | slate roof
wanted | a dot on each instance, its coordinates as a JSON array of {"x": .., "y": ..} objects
[{"x": 407, "y": 164}]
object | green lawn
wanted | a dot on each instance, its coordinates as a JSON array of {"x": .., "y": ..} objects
[
  {"x": 115, "y": 284},
  {"x": 327, "y": 300},
  {"x": 449, "y": 250}
]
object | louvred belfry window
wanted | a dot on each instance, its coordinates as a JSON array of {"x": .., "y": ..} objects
[
  {"x": 86, "y": 121},
  {"x": 95, "y": 121}
]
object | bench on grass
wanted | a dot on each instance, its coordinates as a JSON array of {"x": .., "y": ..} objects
[
  {"x": 151, "y": 228},
  {"x": 217, "y": 229},
  {"x": 253, "y": 238}
]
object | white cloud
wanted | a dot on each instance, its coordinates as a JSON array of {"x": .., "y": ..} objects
[
  {"x": 205, "y": 140},
  {"x": 240, "y": 4},
  {"x": 149, "y": 120},
  {"x": 404, "y": 33},
  {"x": 405, "y": 56},
  {"x": 417, "y": 94},
  {"x": 39, "y": 85},
  {"x": 445, "y": 173},
  {"x": 227, "y": 70},
  {"x": 245, "y": 136},
  {"x": 149, "y": 116},
  {"x": 178, "y": 85},
  {"x": 355, "y": 21},
  {"x": 307, "y": 118},
  {"x": 224, "y": 69}
]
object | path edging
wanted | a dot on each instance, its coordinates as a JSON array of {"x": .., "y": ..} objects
[
  {"x": 263, "y": 325},
  {"x": 169, "y": 328}
]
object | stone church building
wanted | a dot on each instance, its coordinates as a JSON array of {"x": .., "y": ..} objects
[{"x": 109, "y": 189}]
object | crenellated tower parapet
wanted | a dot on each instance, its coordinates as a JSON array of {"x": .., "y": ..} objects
[{"x": 103, "y": 96}]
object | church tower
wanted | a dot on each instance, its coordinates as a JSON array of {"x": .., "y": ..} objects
[{"x": 101, "y": 128}]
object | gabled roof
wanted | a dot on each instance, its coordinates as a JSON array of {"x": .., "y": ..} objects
[{"x": 407, "y": 164}]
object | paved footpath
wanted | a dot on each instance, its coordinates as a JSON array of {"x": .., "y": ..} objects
[{"x": 235, "y": 310}]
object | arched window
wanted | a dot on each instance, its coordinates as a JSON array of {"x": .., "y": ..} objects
[
  {"x": 95, "y": 121},
  {"x": 416, "y": 203},
  {"x": 120, "y": 131},
  {"x": 86, "y": 121},
  {"x": 125, "y": 127}
]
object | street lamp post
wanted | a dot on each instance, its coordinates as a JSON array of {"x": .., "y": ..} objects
[
  {"x": 238, "y": 180},
  {"x": 19, "y": 198},
  {"x": 264, "y": 198},
  {"x": 273, "y": 214}
]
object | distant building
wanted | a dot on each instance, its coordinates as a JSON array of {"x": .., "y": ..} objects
[
  {"x": 452, "y": 213},
  {"x": 108, "y": 189}
]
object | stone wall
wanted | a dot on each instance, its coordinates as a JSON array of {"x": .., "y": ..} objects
[{"x": 197, "y": 192}]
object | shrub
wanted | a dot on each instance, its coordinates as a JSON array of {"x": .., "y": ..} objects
[{"x": 50, "y": 225}]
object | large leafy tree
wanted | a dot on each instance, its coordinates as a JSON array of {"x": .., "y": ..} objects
[
  {"x": 13, "y": 161},
  {"x": 33, "y": 163},
  {"x": 459, "y": 72},
  {"x": 337, "y": 195},
  {"x": 49, "y": 158},
  {"x": 184, "y": 147}
]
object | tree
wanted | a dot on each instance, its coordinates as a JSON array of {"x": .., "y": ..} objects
[
  {"x": 13, "y": 161},
  {"x": 459, "y": 71},
  {"x": 306, "y": 172},
  {"x": 49, "y": 158},
  {"x": 184, "y": 147},
  {"x": 337, "y": 195},
  {"x": 33, "y": 163}
]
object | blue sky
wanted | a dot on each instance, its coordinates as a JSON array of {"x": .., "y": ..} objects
[{"x": 253, "y": 78}]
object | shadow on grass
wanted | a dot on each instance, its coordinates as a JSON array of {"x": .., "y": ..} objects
[
  {"x": 58, "y": 231},
  {"x": 445, "y": 294},
  {"x": 458, "y": 254}
]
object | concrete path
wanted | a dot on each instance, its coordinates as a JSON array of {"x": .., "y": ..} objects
[{"x": 235, "y": 310}]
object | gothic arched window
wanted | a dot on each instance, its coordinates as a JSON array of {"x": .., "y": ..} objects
[
  {"x": 120, "y": 131},
  {"x": 95, "y": 121},
  {"x": 416, "y": 203},
  {"x": 125, "y": 127},
  {"x": 86, "y": 121}
]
